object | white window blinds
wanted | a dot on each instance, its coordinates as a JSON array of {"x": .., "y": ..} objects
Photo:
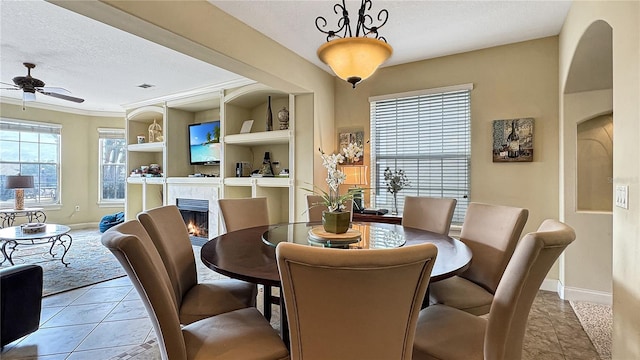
[{"x": 426, "y": 134}]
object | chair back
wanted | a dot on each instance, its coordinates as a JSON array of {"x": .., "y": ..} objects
[
  {"x": 492, "y": 232},
  {"x": 315, "y": 207},
  {"x": 137, "y": 254},
  {"x": 533, "y": 257},
  {"x": 238, "y": 214},
  {"x": 353, "y": 304},
  {"x": 427, "y": 213},
  {"x": 170, "y": 236}
]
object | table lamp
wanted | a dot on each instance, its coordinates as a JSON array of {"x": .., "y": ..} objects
[
  {"x": 356, "y": 175},
  {"x": 19, "y": 183}
]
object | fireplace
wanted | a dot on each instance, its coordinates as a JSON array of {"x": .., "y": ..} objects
[{"x": 195, "y": 213}]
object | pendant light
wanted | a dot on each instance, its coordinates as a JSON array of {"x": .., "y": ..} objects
[{"x": 354, "y": 58}]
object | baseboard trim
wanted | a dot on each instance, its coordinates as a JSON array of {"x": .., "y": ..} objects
[
  {"x": 83, "y": 225},
  {"x": 592, "y": 296}
]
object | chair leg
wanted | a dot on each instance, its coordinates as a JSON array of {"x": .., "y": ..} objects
[{"x": 266, "y": 301}]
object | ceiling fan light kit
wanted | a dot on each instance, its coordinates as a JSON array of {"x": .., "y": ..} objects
[
  {"x": 354, "y": 58},
  {"x": 29, "y": 85}
]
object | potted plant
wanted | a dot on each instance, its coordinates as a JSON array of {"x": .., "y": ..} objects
[{"x": 335, "y": 219}]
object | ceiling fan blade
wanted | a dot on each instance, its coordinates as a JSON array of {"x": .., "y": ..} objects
[
  {"x": 9, "y": 88},
  {"x": 57, "y": 90},
  {"x": 62, "y": 96},
  {"x": 13, "y": 86},
  {"x": 28, "y": 96}
]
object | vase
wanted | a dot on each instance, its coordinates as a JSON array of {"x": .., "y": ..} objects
[
  {"x": 394, "y": 209},
  {"x": 269, "y": 115},
  {"x": 336, "y": 222}
]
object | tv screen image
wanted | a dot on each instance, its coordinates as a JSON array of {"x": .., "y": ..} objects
[{"x": 204, "y": 143}]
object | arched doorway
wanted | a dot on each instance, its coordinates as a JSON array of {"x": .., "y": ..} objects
[{"x": 586, "y": 267}]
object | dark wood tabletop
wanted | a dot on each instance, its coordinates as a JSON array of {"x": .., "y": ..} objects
[{"x": 244, "y": 255}]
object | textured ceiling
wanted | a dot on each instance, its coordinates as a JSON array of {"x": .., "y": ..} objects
[{"x": 104, "y": 65}]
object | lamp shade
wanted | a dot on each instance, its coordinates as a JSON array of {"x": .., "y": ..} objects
[
  {"x": 354, "y": 58},
  {"x": 355, "y": 174},
  {"x": 19, "y": 182}
]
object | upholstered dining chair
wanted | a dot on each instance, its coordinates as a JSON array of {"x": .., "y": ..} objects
[
  {"x": 238, "y": 214},
  {"x": 427, "y": 213},
  {"x": 195, "y": 300},
  {"x": 447, "y": 333},
  {"x": 315, "y": 208},
  {"x": 243, "y": 213},
  {"x": 238, "y": 334},
  {"x": 492, "y": 232},
  {"x": 353, "y": 304}
]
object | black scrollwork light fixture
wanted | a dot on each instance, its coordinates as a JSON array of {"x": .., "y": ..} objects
[{"x": 354, "y": 58}]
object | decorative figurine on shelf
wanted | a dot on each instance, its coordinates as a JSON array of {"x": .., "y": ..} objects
[
  {"x": 396, "y": 181},
  {"x": 283, "y": 117},
  {"x": 269, "y": 115},
  {"x": 266, "y": 170},
  {"x": 155, "y": 132}
]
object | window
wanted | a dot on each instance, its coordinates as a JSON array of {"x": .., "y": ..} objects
[
  {"x": 426, "y": 134},
  {"x": 112, "y": 166},
  {"x": 30, "y": 148}
]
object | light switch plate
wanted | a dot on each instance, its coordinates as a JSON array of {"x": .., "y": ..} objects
[{"x": 622, "y": 196}]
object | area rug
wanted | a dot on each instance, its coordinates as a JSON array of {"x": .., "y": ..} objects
[
  {"x": 89, "y": 262},
  {"x": 597, "y": 321}
]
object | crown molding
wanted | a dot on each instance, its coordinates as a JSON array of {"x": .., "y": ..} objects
[{"x": 65, "y": 109}]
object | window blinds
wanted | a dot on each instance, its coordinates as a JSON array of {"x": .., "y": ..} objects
[{"x": 426, "y": 134}]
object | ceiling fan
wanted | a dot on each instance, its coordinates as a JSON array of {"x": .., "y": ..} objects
[{"x": 29, "y": 85}]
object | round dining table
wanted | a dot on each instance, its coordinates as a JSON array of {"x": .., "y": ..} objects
[{"x": 250, "y": 254}]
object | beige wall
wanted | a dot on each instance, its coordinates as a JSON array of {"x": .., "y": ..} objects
[
  {"x": 624, "y": 18},
  {"x": 512, "y": 81},
  {"x": 79, "y": 162}
]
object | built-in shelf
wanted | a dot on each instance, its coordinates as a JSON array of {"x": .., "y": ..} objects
[
  {"x": 260, "y": 138},
  {"x": 147, "y": 147},
  {"x": 239, "y": 181},
  {"x": 274, "y": 182},
  {"x": 146, "y": 180}
]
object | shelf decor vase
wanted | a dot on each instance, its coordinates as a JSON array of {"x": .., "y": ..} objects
[
  {"x": 269, "y": 115},
  {"x": 336, "y": 222}
]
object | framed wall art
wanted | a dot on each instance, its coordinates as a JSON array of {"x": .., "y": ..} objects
[
  {"x": 513, "y": 140},
  {"x": 346, "y": 136}
]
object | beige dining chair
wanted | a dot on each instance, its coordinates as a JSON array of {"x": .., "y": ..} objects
[
  {"x": 492, "y": 232},
  {"x": 238, "y": 214},
  {"x": 427, "y": 213},
  {"x": 243, "y": 213},
  {"x": 447, "y": 333},
  {"x": 353, "y": 304},
  {"x": 196, "y": 300},
  {"x": 238, "y": 334},
  {"x": 315, "y": 207}
]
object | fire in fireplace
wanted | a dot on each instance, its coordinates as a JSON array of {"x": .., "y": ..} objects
[{"x": 195, "y": 214}]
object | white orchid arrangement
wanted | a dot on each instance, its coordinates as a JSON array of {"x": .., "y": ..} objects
[{"x": 335, "y": 177}]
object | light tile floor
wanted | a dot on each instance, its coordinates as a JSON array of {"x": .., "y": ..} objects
[{"x": 104, "y": 320}]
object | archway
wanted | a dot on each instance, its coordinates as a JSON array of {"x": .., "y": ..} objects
[{"x": 586, "y": 267}]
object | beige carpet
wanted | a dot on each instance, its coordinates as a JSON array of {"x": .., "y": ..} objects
[{"x": 597, "y": 321}]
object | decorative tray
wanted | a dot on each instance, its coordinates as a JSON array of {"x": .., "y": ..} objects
[{"x": 318, "y": 235}]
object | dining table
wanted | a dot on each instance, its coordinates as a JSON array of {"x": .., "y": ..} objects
[{"x": 250, "y": 254}]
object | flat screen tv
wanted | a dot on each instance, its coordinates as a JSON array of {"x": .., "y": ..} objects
[{"x": 204, "y": 143}]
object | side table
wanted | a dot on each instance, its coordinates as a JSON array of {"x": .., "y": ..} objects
[
  {"x": 54, "y": 234},
  {"x": 8, "y": 216}
]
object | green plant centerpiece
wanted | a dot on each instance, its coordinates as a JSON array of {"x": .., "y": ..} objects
[
  {"x": 396, "y": 180},
  {"x": 335, "y": 219}
]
